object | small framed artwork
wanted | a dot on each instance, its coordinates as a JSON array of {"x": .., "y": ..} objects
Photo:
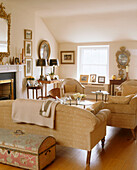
[
  {"x": 92, "y": 77},
  {"x": 28, "y": 48},
  {"x": 28, "y": 67},
  {"x": 27, "y": 34},
  {"x": 84, "y": 78},
  {"x": 101, "y": 79},
  {"x": 67, "y": 57}
]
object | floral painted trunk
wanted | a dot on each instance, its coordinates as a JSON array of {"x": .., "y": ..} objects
[{"x": 27, "y": 151}]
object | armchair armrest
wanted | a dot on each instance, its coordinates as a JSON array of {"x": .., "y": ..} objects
[
  {"x": 133, "y": 101},
  {"x": 103, "y": 115}
]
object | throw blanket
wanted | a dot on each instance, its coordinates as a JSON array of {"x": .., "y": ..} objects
[{"x": 34, "y": 111}]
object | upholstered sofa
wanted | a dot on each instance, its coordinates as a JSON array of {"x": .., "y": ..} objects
[
  {"x": 123, "y": 114},
  {"x": 74, "y": 127}
]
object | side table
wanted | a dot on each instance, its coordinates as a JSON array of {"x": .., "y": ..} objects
[
  {"x": 114, "y": 82},
  {"x": 35, "y": 88},
  {"x": 103, "y": 93}
]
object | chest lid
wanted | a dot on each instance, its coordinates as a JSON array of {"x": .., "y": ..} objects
[{"x": 25, "y": 142}]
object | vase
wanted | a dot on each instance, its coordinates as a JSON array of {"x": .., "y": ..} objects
[
  {"x": 78, "y": 100},
  {"x": 31, "y": 82}
]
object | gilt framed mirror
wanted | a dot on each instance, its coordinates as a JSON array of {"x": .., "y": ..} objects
[
  {"x": 5, "y": 22},
  {"x": 123, "y": 58},
  {"x": 44, "y": 50}
]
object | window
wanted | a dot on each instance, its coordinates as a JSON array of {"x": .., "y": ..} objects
[{"x": 94, "y": 60}]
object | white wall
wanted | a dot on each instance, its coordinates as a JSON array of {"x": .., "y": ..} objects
[
  {"x": 26, "y": 19},
  {"x": 42, "y": 33},
  {"x": 71, "y": 69}
]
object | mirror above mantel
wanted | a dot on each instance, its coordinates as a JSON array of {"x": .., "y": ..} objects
[{"x": 5, "y": 21}]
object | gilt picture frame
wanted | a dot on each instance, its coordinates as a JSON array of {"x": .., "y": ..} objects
[
  {"x": 67, "y": 57},
  {"x": 28, "y": 67},
  {"x": 27, "y": 34},
  {"x": 84, "y": 78},
  {"x": 28, "y": 48}
]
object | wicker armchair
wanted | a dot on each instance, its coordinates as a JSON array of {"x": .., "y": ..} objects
[{"x": 71, "y": 86}]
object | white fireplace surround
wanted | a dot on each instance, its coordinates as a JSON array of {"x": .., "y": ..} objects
[{"x": 19, "y": 69}]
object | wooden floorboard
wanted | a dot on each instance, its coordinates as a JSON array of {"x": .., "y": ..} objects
[{"x": 120, "y": 153}]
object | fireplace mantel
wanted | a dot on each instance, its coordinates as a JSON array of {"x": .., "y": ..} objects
[
  {"x": 19, "y": 69},
  {"x": 11, "y": 68}
]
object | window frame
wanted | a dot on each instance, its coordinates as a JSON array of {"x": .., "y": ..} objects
[{"x": 79, "y": 71}]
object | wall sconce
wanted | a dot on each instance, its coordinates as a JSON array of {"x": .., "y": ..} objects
[
  {"x": 41, "y": 63},
  {"x": 54, "y": 62}
]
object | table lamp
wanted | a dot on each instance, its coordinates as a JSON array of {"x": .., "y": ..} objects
[
  {"x": 41, "y": 63},
  {"x": 54, "y": 62}
]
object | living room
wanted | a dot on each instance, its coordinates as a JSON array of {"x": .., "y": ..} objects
[{"x": 67, "y": 26}]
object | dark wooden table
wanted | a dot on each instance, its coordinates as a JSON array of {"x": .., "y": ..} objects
[
  {"x": 35, "y": 88},
  {"x": 50, "y": 82},
  {"x": 113, "y": 83}
]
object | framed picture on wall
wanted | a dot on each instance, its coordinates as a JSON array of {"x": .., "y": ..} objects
[
  {"x": 27, "y": 34},
  {"x": 28, "y": 48},
  {"x": 67, "y": 57},
  {"x": 84, "y": 78},
  {"x": 28, "y": 67},
  {"x": 101, "y": 79}
]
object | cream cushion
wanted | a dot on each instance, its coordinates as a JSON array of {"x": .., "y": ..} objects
[
  {"x": 95, "y": 108},
  {"x": 120, "y": 99},
  {"x": 129, "y": 89},
  {"x": 70, "y": 88}
]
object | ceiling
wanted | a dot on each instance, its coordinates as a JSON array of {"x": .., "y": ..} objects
[{"x": 86, "y": 20}]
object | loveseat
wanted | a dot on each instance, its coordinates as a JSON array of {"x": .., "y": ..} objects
[{"x": 74, "y": 127}]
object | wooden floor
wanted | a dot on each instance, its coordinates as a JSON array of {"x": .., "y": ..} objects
[{"x": 120, "y": 153}]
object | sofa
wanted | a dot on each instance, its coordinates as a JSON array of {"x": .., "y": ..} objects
[
  {"x": 123, "y": 112},
  {"x": 74, "y": 127}
]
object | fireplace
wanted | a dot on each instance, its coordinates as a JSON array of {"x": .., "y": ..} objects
[
  {"x": 7, "y": 86},
  {"x": 15, "y": 72}
]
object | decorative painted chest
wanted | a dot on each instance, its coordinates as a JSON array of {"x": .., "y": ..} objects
[{"x": 24, "y": 150}]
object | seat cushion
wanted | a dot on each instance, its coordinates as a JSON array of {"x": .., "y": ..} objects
[
  {"x": 69, "y": 94},
  {"x": 120, "y": 108}
]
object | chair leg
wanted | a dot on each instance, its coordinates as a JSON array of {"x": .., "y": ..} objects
[
  {"x": 102, "y": 142},
  {"x": 88, "y": 157},
  {"x": 133, "y": 133}
]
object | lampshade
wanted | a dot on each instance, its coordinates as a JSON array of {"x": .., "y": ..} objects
[
  {"x": 54, "y": 62},
  {"x": 41, "y": 62}
]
